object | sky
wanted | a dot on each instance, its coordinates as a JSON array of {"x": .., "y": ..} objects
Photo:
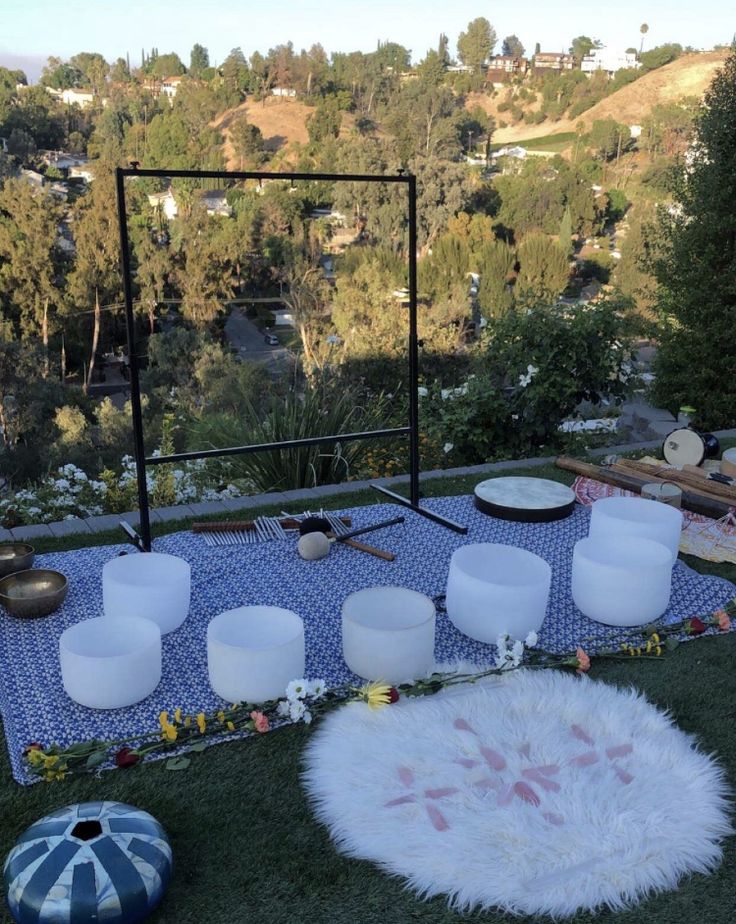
[{"x": 31, "y": 30}]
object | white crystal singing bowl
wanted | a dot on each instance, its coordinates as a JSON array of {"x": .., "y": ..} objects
[
  {"x": 148, "y": 584},
  {"x": 621, "y": 583},
  {"x": 494, "y": 589},
  {"x": 110, "y": 662},
  {"x": 253, "y": 652},
  {"x": 388, "y": 633},
  {"x": 637, "y": 518}
]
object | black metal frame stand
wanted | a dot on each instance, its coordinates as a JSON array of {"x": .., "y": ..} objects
[{"x": 412, "y": 430}]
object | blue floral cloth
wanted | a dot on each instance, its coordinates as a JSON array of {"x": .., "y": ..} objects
[{"x": 35, "y": 707}]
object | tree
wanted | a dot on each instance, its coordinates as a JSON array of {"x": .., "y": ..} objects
[
  {"x": 202, "y": 275},
  {"x": 199, "y": 60},
  {"x": 583, "y": 45},
  {"x": 95, "y": 279},
  {"x": 476, "y": 44},
  {"x": 643, "y": 28},
  {"x": 431, "y": 70},
  {"x": 235, "y": 77},
  {"x": 512, "y": 46},
  {"x": 544, "y": 271},
  {"x": 247, "y": 142},
  {"x": 168, "y": 65},
  {"x": 325, "y": 121},
  {"x": 308, "y": 297},
  {"x": 565, "y": 235},
  {"x": 697, "y": 268},
  {"x": 660, "y": 55},
  {"x": 495, "y": 264},
  {"x": 29, "y": 259}
]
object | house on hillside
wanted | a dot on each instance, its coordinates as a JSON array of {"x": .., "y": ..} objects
[
  {"x": 553, "y": 61},
  {"x": 501, "y": 68},
  {"x": 215, "y": 201},
  {"x": 165, "y": 203},
  {"x": 169, "y": 87},
  {"x": 459, "y": 69},
  {"x": 604, "y": 59},
  {"x": 33, "y": 177},
  {"x": 82, "y": 98},
  {"x": 60, "y": 160},
  {"x": 283, "y": 91}
]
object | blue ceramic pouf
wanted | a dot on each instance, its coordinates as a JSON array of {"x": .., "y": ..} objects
[{"x": 93, "y": 862}]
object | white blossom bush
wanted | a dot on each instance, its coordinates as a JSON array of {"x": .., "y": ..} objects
[{"x": 71, "y": 493}]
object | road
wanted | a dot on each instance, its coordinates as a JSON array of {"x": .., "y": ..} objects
[{"x": 247, "y": 340}]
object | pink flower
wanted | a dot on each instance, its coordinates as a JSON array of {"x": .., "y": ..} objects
[
  {"x": 583, "y": 661},
  {"x": 724, "y": 623},
  {"x": 260, "y": 721}
]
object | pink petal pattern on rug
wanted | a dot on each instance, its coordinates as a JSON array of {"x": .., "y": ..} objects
[
  {"x": 440, "y": 793},
  {"x": 625, "y": 777},
  {"x": 585, "y": 760},
  {"x": 526, "y": 793},
  {"x": 553, "y": 818},
  {"x": 462, "y": 725},
  {"x": 401, "y": 800},
  {"x": 406, "y": 776},
  {"x": 581, "y": 734},
  {"x": 536, "y": 777},
  {"x": 619, "y": 750},
  {"x": 494, "y": 760},
  {"x": 439, "y": 822},
  {"x": 467, "y": 762}
]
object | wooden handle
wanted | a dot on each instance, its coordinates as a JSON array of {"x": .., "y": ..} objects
[{"x": 370, "y": 549}]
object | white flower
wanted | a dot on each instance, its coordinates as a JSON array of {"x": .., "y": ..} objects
[
  {"x": 317, "y": 688},
  {"x": 531, "y": 640},
  {"x": 517, "y": 652},
  {"x": 297, "y": 690},
  {"x": 448, "y": 447},
  {"x": 297, "y": 710},
  {"x": 423, "y": 392},
  {"x": 62, "y": 484},
  {"x": 307, "y": 717},
  {"x": 283, "y": 707},
  {"x": 531, "y": 371},
  {"x": 514, "y": 416}
]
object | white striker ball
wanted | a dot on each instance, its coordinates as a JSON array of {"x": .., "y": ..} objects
[{"x": 313, "y": 546}]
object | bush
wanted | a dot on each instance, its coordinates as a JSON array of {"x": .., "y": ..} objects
[{"x": 538, "y": 367}]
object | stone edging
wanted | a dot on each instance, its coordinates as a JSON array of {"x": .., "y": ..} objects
[{"x": 288, "y": 498}]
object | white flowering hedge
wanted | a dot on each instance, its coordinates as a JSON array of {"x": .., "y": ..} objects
[{"x": 71, "y": 493}]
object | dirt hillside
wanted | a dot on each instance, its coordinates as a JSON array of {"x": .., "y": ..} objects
[
  {"x": 282, "y": 121},
  {"x": 690, "y": 75}
]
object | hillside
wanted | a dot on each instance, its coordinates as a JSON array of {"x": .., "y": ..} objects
[
  {"x": 282, "y": 122},
  {"x": 690, "y": 75}
]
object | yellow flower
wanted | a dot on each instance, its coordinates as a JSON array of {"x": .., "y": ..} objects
[
  {"x": 170, "y": 732},
  {"x": 50, "y": 761},
  {"x": 221, "y": 717},
  {"x": 201, "y": 724},
  {"x": 177, "y": 715},
  {"x": 231, "y": 726},
  {"x": 376, "y": 694},
  {"x": 163, "y": 719},
  {"x": 36, "y": 757},
  {"x": 187, "y": 721}
]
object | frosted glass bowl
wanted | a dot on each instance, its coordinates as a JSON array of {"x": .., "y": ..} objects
[
  {"x": 626, "y": 518},
  {"x": 494, "y": 589},
  {"x": 621, "y": 583},
  {"x": 388, "y": 633},
  {"x": 148, "y": 584},
  {"x": 253, "y": 652},
  {"x": 110, "y": 662}
]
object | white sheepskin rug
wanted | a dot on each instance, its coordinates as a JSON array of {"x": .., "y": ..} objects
[{"x": 538, "y": 793}]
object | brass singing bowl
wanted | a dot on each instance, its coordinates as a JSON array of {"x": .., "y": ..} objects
[
  {"x": 33, "y": 593},
  {"x": 15, "y": 556}
]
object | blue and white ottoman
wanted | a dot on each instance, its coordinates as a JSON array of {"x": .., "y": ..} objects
[{"x": 93, "y": 862}]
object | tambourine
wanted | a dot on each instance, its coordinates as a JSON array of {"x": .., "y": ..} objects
[
  {"x": 686, "y": 446},
  {"x": 528, "y": 500}
]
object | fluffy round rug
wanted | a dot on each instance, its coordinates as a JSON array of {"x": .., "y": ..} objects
[{"x": 537, "y": 793}]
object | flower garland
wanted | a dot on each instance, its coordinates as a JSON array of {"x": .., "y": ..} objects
[{"x": 306, "y": 700}]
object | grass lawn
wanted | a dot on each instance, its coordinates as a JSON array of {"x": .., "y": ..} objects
[
  {"x": 247, "y": 850},
  {"x": 553, "y": 142}
]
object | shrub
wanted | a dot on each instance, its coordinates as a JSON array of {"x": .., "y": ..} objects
[{"x": 538, "y": 367}]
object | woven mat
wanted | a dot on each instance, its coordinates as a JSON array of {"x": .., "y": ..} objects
[{"x": 35, "y": 708}]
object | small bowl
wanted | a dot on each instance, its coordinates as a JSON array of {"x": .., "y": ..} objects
[
  {"x": 15, "y": 556},
  {"x": 33, "y": 593}
]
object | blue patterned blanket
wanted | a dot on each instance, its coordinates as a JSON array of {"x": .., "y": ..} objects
[{"x": 35, "y": 708}]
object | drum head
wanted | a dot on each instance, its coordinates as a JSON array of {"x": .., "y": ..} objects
[
  {"x": 683, "y": 447},
  {"x": 529, "y": 500}
]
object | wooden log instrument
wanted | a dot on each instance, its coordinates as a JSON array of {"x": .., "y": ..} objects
[{"x": 692, "y": 499}]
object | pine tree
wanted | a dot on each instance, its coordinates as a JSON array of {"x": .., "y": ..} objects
[
  {"x": 544, "y": 271},
  {"x": 697, "y": 293},
  {"x": 565, "y": 236}
]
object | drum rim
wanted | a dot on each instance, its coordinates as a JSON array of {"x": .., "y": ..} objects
[{"x": 680, "y": 430}]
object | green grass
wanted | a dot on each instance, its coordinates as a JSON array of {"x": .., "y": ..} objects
[
  {"x": 556, "y": 142},
  {"x": 247, "y": 849}
]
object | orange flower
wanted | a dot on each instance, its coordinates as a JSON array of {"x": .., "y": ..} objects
[
  {"x": 724, "y": 623},
  {"x": 260, "y": 721},
  {"x": 583, "y": 661}
]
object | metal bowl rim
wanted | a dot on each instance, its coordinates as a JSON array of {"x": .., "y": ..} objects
[{"x": 26, "y": 572}]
